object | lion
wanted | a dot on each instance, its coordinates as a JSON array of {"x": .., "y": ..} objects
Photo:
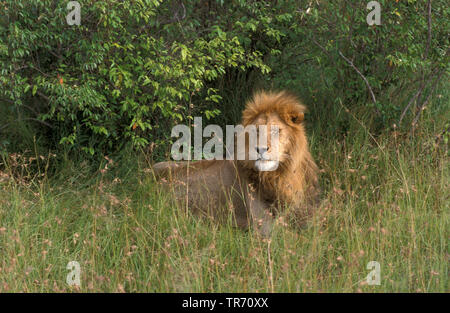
[{"x": 253, "y": 191}]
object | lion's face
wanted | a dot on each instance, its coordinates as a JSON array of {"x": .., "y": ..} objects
[
  {"x": 272, "y": 146},
  {"x": 281, "y": 135}
]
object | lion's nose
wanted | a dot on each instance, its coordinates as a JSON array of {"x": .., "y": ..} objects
[{"x": 261, "y": 150}]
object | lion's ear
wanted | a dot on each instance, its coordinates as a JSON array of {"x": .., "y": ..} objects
[{"x": 297, "y": 117}]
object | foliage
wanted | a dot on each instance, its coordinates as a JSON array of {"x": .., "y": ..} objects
[
  {"x": 119, "y": 75},
  {"x": 132, "y": 69},
  {"x": 395, "y": 58}
]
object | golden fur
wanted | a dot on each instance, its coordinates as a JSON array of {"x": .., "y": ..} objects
[{"x": 221, "y": 188}]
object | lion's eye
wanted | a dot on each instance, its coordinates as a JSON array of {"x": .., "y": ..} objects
[{"x": 297, "y": 118}]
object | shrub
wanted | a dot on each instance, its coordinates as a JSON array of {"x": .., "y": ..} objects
[{"x": 132, "y": 69}]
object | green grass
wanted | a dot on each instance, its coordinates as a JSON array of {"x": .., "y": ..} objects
[{"x": 385, "y": 199}]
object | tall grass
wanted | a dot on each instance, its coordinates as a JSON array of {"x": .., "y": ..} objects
[{"x": 385, "y": 198}]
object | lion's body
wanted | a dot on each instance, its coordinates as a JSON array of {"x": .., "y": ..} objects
[
  {"x": 208, "y": 187},
  {"x": 221, "y": 188}
]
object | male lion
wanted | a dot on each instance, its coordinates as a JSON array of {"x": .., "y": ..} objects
[{"x": 253, "y": 191}]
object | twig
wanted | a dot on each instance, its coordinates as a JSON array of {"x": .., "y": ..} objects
[
  {"x": 422, "y": 107},
  {"x": 422, "y": 87},
  {"x": 55, "y": 55},
  {"x": 321, "y": 47},
  {"x": 175, "y": 17},
  {"x": 364, "y": 78},
  {"x": 434, "y": 72},
  {"x": 270, "y": 265},
  {"x": 410, "y": 102},
  {"x": 333, "y": 60},
  {"x": 42, "y": 95},
  {"x": 427, "y": 49},
  {"x": 30, "y": 108},
  {"x": 28, "y": 119}
]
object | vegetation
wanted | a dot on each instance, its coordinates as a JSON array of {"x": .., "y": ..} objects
[{"x": 85, "y": 110}]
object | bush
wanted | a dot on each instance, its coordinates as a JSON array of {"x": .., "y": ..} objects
[
  {"x": 132, "y": 69},
  {"x": 380, "y": 67},
  {"x": 129, "y": 69}
]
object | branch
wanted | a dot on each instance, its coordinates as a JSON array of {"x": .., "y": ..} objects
[
  {"x": 427, "y": 49},
  {"x": 364, "y": 78},
  {"x": 27, "y": 119},
  {"x": 410, "y": 102},
  {"x": 42, "y": 95},
  {"x": 321, "y": 47},
  {"x": 30, "y": 108},
  {"x": 422, "y": 87},
  {"x": 422, "y": 107},
  {"x": 175, "y": 17}
]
